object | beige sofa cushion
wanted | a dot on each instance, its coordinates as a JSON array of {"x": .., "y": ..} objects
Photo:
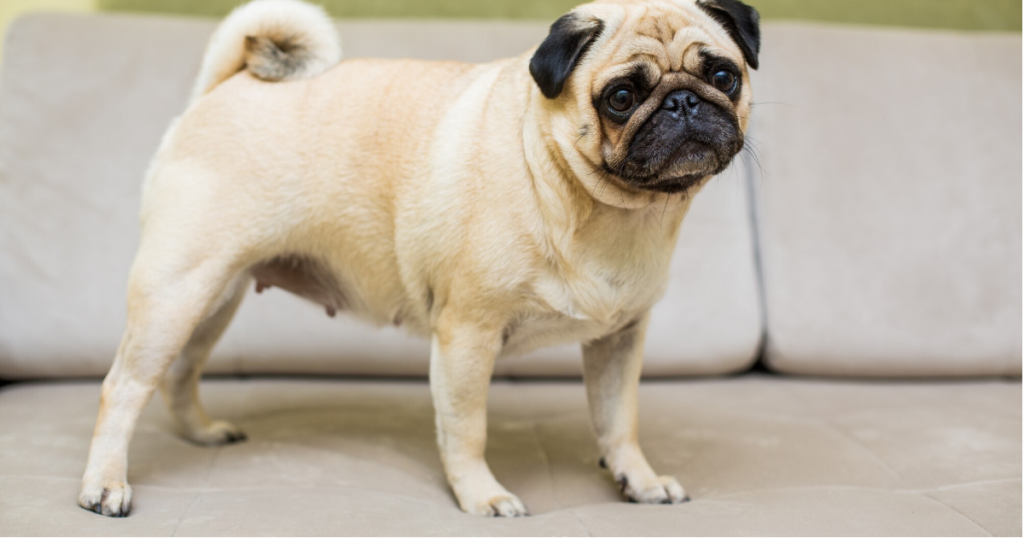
[
  {"x": 889, "y": 210},
  {"x": 759, "y": 456},
  {"x": 83, "y": 103}
]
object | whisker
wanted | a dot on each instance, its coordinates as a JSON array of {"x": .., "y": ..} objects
[
  {"x": 578, "y": 140},
  {"x": 773, "y": 103},
  {"x": 751, "y": 146},
  {"x": 667, "y": 198},
  {"x": 757, "y": 160},
  {"x": 600, "y": 184}
]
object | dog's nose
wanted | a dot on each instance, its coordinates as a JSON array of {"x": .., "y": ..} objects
[{"x": 683, "y": 102}]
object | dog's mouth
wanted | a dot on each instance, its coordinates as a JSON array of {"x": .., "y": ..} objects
[
  {"x": 673, "y": 185},
  {"x": 678, "y": 171}
]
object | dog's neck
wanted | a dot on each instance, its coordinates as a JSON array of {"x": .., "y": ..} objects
[{"x": 570, "y": 210}]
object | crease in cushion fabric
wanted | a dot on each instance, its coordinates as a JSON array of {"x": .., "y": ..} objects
[{"x": 84, "y": 101}]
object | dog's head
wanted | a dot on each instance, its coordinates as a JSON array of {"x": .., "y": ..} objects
[{"x": 649, "y": 95}]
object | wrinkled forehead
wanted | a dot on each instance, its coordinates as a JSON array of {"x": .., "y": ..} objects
[{"x": 662, "y": 37}]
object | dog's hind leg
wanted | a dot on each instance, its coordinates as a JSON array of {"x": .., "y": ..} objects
[
  {"x": 170, "y": 292},
  {"x": 180, "y": 387}
]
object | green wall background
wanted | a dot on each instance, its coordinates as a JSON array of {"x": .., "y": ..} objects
[{"x": 1002, "y": 15}]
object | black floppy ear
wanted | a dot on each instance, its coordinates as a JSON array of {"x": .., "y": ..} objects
[
  {"x": 556, "y": 57},
  {"x": 741, "y": 21}
]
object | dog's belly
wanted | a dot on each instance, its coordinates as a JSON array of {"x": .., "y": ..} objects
[
  {"x": 304, "y": 276},
  {"x": 310, "y": 278},
  {"x": 313, "y": 279}
]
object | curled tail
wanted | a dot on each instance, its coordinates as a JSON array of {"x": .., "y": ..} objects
[{"x": 272, "y": 39}]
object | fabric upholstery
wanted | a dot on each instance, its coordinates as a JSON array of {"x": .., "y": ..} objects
[
  {"x": 889, "y": 211},
  {"x": 758, "y": 455},
  {"x": 83, "y": 103}
]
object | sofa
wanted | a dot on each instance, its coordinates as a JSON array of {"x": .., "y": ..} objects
[{"x": 838, "y": 352}]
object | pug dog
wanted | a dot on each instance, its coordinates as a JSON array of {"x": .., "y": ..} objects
[{"x": 492, "y": 208}]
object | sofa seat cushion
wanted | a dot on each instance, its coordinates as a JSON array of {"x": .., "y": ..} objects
[{"x": 758, "y": 455}]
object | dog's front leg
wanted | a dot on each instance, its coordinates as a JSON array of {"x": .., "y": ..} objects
[
  {"x": 461, "y": 362},
  {"x": 612, "y": 373}
]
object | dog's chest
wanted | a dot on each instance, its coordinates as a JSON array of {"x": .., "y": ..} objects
[{"x": 596, "y": 300}]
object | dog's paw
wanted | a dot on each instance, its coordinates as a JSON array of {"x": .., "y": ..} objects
[
  {"x": 217, "y": 433},
  {"x": 661, "y": 490},
  {"x": 113, "y": 499},
  {"x": 503, "y": 504}
]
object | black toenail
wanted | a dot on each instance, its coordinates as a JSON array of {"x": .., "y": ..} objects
[{"x": 623, "y": 483}]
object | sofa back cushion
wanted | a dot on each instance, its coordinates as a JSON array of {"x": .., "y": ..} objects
[
  {"x": 84, "y": 101},
  {"x": 889, "y": 210}
]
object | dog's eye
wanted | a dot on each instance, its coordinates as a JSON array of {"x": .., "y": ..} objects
[
  {"x": 621, "y": 101},
  {"x": 724, "y": 81}
]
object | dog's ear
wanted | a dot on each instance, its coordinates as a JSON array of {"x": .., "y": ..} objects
[
  {"x": 741, "y": 21},
  {"x": 556, "y": 57}
]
